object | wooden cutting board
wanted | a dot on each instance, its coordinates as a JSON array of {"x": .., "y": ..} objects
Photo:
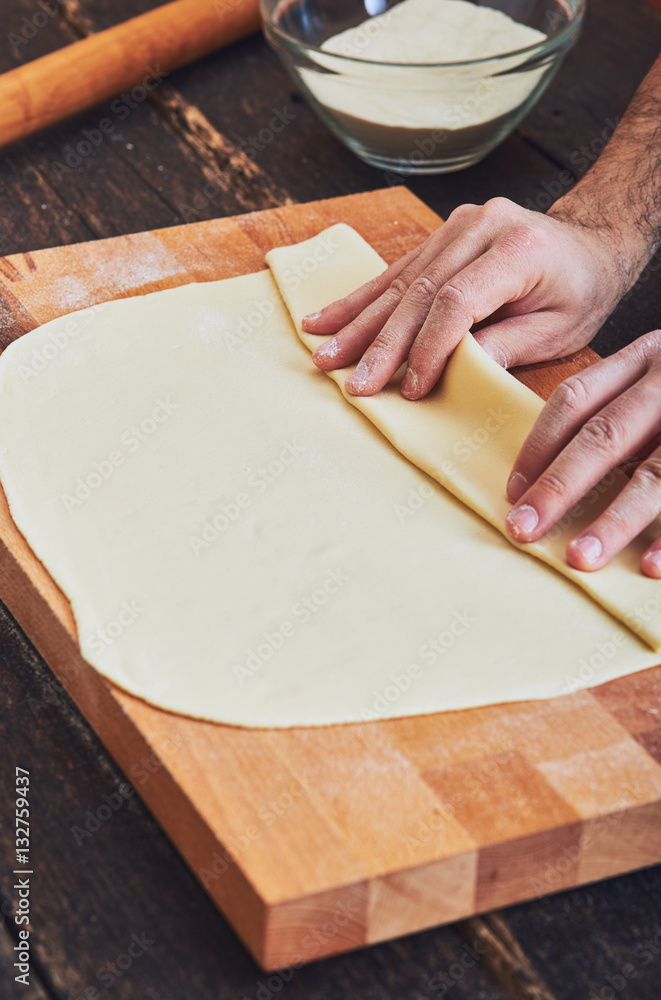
[{"x": 316, "y": 841}]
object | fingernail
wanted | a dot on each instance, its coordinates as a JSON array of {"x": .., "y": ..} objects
[
  {"x": 359, "y": 378},
  {"x": 516, "y": 486},
  {"x": 652, "y": 561},
  {"x": 410, "y": 382},
  {"x": 522, "y": 521},
  {"x": 589, "y": 547},
  {"x": 311, "y": 317}
]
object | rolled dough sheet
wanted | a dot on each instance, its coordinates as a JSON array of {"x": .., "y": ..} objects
[{"x": 240, "y": 545}]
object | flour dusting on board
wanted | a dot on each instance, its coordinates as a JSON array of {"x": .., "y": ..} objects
[
  {"x": 139, "y": 264},
  {"x": 148, "y": 265}
]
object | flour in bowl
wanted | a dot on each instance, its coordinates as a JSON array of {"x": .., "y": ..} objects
[{"x": 434, "y": 31}]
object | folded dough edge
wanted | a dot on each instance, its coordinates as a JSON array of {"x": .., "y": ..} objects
[{"x": 467, "y": 432}]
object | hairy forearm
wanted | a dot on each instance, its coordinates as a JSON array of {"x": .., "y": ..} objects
[{"x": 621, "y": 194}]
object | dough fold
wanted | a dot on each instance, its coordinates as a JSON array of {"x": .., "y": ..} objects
[{"x": 468, "y": 431}]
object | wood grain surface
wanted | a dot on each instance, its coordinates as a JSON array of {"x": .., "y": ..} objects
[
  {"x": 317, "y": 841},
  {"x": 127, "y": 877},
  {"x": 138, "y": 53}
]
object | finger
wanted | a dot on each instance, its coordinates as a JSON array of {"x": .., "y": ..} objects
[
  {"x": 338, "y": 314},
  {"x": 352, "y": 341},
  {"x": 650, "y": 563},
  {"x": 608, "y": 437},
  {"x": 634, "y": 508},
  {"x": 389, "y": 348},
  {"x": 497, "y": 276},
  {"x": 521, "y": 340},
  {"x": 632, "y": 463},
  {"x": 571, "y": 405}
]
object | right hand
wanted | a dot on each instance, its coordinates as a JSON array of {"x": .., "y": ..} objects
[
  {"x": 545, "y": 285},
  {"x": 593, "y": 421}
]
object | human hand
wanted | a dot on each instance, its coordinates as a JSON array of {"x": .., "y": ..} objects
[
  {"x": 592, "y": 422},
  {"x": 546, "y": 284}
]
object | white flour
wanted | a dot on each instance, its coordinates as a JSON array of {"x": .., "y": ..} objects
[
  {"x": 433, "y": 31},
  {"x": 409, "y": 96}
]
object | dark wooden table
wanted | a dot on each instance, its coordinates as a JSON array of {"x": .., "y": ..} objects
[{"x": 185, "y": 154}]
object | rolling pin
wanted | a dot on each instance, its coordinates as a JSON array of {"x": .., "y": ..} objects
[{"x": 105, "y": 64}]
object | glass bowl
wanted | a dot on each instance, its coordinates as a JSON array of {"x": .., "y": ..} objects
[{"x": 417, "y": 118}]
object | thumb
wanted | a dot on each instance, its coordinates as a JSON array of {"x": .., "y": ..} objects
[{"x": 521, "y": 340}]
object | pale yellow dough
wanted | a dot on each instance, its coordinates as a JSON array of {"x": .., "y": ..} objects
[{"x": 241, "y": 545}]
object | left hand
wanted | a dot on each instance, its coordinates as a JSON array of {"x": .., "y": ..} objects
[
  {"x": 544, "y": 283},
  {"x": 593, "y": 422}
]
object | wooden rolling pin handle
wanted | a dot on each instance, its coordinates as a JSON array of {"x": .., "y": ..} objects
[{"x": 101, "y": 66}]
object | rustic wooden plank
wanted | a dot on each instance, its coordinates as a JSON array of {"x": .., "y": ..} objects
[
  {"x": 576, "y": 116},
  {"x": 9, "y": 988},
  {"x": 595, "y": 83},
  {"x": 36, "y": 159},
  {"x": 597, "y": 941},
  {"x": 226, "y": 167},
  {"x": 142, "y": 161},
  {"x": 29, "y": 200},
  {"x": 506, "y": 959}
]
